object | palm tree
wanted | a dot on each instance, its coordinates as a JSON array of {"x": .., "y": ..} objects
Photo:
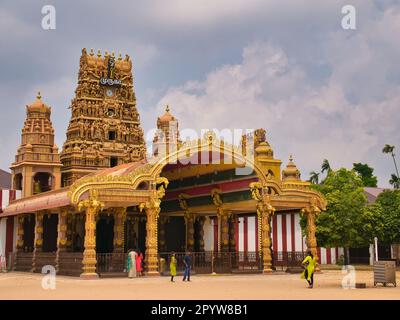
[
  {"x": 389, "y": 149},
  {"x": 314, "y": 177},
  {"x": 326, "y": 166},
  {"x": 395, "y": 181}
]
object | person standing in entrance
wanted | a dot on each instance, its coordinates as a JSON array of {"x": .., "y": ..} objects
[
  {"x": 309, "y": 266},
  {"x": 172, "y": 267},
  {"x": 131, "y": 264},
  {"x": 139, "y": 259},
  {"x": 186, "y": 261}
]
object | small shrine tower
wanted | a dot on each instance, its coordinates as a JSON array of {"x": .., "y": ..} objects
[
  {"x": 37, "y": 163},
  {"x": 166, "y": 139}
]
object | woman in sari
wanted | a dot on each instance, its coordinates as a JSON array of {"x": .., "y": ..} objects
[
  {"x": 138, "y": 262},
  {"x": 131, "y": 264},
  {"x": 309, "y": 266},
  {"x": 172, "y": 267}
]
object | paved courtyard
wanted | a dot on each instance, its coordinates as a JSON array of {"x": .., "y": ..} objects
[{"x": 16, "y": 285}]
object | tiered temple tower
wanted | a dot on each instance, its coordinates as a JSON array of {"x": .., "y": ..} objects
[
  {"x": 104, "y": 130},
  {"x": 37, "y": 164}
]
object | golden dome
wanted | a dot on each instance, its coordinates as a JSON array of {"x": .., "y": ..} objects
[
  {"x": 291, "y": 172},
  {"x": 264, "y": 150},
  {"x": 38, "y": 105},
  {"x": 167, "y": 117}
]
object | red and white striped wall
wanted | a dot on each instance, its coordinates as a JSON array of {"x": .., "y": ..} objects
[
  {"x": 286, "y": 236},
  {"x": 8, "y": 226}
]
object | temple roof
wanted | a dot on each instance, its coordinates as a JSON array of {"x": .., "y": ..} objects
[
  {"x": 60, "y": 198},
  {"x": 43, "y": 201}
]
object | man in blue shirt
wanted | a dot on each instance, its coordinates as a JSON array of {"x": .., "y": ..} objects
[{"x": 186, "y": 261}]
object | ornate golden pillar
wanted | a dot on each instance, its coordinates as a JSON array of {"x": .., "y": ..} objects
[
  {"x": 232, "y": 233},
  {"x": 311, "y": 213},
  {"x": 69, "y": 232},
  {"x": 61, "y": 235},
  {"x": 38, "y": 232},
  {"x": 152, "y": 209},
  {"x": 38, "y": 238},
  {"x": 201, "y": 221},
  {"x": 223, "y": 220},
  {"x": 20, "y": 233},
  {"x": 189, "y": 222},
  {"x": 119, "y": 224},
  {"x": 92, "y": 206},
  {"x": 151, "y": 241},
  {"x": 265, "y": 211}
]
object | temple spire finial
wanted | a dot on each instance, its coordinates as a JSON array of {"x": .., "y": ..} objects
[
  {"x": 38, "y": 96},
  {"x": 167, "y": 108},
  {"x": 291, "y": 158}
]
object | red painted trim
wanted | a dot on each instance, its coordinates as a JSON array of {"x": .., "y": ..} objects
[
  {"x": 215, "y": 222},
  {"x": 9, "y": 236},
  {"x": 292, "y": 230},
  {"x": 328, "y": 256},
  {"x": 256, "y": 224},
  {"x": 206, "y": 190},
  {"x": 1, "y": 201},
  {"x": 319, "y": 254},
  {"x": 284, "y": 233},
  {"x": 237, "y": 234},
  {"x": 245, "y": 234},
  {"x": 275, "y": 233},
  {"x": 337, "y": 253}
]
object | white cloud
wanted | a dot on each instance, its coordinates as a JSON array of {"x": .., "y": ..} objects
[{"x": 346, "y": 119}]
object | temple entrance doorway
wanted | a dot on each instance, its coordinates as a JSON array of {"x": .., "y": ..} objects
[
  {"x": 175, "y": 235},
  {"x": 105, "y": 234},
  {"x": 135, "y": 233},
  {"x": 29, "y": 233},
  {"x": 50, "y": 223}
]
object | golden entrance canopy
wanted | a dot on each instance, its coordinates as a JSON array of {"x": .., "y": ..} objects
[{"x": 134, "y": 183}]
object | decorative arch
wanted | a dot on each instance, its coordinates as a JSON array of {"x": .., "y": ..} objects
[
  {"x": 209, "y": 141},
  {"x": 147, "y": 173}
]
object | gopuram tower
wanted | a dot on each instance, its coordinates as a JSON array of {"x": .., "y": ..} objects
[
  {"x": 104, "y": 129},
  {"x": 37, "y": 164}
]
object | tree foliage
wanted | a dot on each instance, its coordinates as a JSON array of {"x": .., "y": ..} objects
[
  {"x": 366, "y": 174},
  {"x": 389, "y": 200},
  {"x": 395, "y": 181},
  {"x": 348, "y": 220}
]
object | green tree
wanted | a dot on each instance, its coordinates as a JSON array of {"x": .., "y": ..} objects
[
  {"x": 314, "y": 177},
  {"x": 390, "y": 149},
  {"x": 389, "y": 200},
  {"x": 326, "y": 166},
  {"x": 366, "y": 174},
  {"x": 372, "y": 223},
  {"x": 348, "y": 221},
  {"x": 395, "y": 181}
]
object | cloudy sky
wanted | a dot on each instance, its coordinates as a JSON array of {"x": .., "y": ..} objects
[{"x": 319, "y": 90}]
